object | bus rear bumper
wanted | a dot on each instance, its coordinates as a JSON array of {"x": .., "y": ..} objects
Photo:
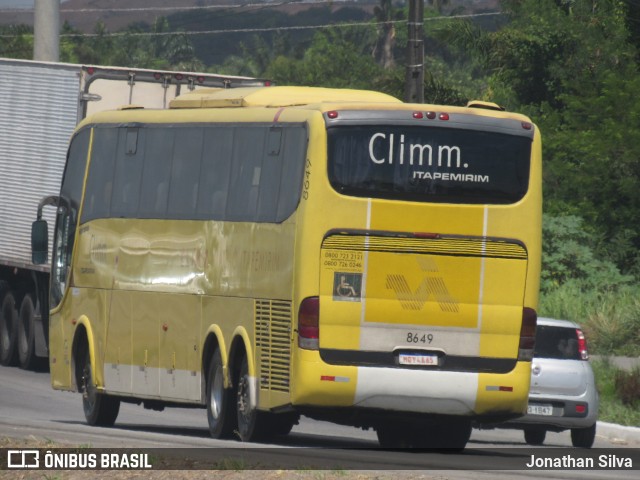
[{"x": 437, "y": 392}]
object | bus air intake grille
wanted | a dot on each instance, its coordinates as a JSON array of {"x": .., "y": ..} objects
[
  {"x": 273, "y": 343},
  {"x": 442, "y": 245}
]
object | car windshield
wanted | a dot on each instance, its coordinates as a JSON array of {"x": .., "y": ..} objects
[{"x": 556, "y": 342}]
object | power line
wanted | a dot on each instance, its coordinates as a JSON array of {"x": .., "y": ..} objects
[
  {"x": 258, "y": 30},
  {"x": 185, "y": 8}
]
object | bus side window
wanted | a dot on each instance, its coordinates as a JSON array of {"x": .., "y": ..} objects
[
  {"x": 293, "y": 166},
  {"x": 156, "y": 172},
  {"x": 128, "y": 173},
  {"x": 185, "y": 172},
  {"x": 215, "y": 172},
  {"x": 271, "y": 176},
  {"x": 101, "y": 172},
  {"x": 161, "y": 197}
]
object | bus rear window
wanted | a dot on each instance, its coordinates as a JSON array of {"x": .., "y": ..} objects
[{"x": 443, "y": 165}]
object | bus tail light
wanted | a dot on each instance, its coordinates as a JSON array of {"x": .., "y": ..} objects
[
  {"x": 527, "y": 334},
  {"x": 308, "y": 323},
  {"x": 582, "y": 345}
]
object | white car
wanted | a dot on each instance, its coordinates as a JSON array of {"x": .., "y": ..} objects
[{"x": 563, "y": 393}]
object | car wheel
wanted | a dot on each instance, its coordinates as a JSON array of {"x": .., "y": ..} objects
[
  {"x": 583, "y": 437},
  {"x": 534, "y": 437}
]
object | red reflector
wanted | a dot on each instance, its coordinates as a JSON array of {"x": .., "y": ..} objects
[
  {"x": 327, "y": 378},
  {"x": 332, "y": 114},
  {"x": 200, "y": 79},
  {"x": 267, "y": 83},
  {"x": 431, "y": 115},
  {"x": 426, "y": 235},
  {"x": 506, "y": 389},
  {"x": 527, "y": 125},
  {"x": 418, "y": 115},
  {"x": 91, "y": 70},
  {"x": 179, "y": 76},
  {"x": 443, "y": 116},
  {"x": 581, "y": 408},
  {"x": 157, "y": 76}
]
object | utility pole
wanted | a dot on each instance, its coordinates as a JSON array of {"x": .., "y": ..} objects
[
  {"x": 46, "y": 30},
  {"x": 414, "y": 80}
]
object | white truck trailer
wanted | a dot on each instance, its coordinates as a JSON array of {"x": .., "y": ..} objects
[{"x": 40, "y": 105}]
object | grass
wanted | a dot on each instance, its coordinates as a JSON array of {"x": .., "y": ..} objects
[
  {"x": 610, "y": 318},
  {"x": 612, "y": 408}
]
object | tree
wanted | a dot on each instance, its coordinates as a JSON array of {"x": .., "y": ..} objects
[
  {"x": 385, "y": 14},
  {"x": 17, "y": 41},
  {"x": 330, "y": 61}
]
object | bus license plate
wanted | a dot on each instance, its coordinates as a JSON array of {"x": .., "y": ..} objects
[
  {"x": 417, "y": 359},
  {"x": 546, "y": 410}
]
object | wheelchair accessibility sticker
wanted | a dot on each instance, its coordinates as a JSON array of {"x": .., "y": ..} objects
[{"x": 347, "y": 287}]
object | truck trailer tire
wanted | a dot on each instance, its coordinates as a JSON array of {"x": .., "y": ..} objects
[
  {"x": 8, "y": 327},
  {"x": 26, "y": 333}
]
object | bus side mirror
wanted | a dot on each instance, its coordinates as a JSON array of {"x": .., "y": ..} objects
[{"x": 39, "y": 242}]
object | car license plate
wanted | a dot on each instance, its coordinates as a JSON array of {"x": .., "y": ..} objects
[
  {"x": 417, "y": 359},
  {"x": 546, "y": 410}
]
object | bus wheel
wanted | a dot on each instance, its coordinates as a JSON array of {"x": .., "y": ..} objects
[
  {"x": 394, "y": 435},
  {"x": 452, "y": 436},
  {"x": 8, "y": 327},
  {"x": 284, "y": 422},
  {"x": 99, "y": 409},
  {"x": 26, "y": 333},
  {"x": 253, "y": 425},
  {"x": 220, "y": 406},
  {"x": 534, "y": 437}
]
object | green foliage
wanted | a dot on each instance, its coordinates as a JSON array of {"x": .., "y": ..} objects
[
  {"x": 171, "y": 51},
  {"x": 593, "y": 163},
  {"x": 578, "y": 285},
  {"x": 612, "y": 409},
  {"x": 16, "y": 41},
  {"x": 628, "y": 387},
  {"x": 330, "y": 61},
  {"x": 569, "y": 257},
  {"x": 610, "y": 318}
]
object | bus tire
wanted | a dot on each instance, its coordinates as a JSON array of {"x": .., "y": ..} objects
[
  {"x": 26, "y": 333},
  {"x": 534, "y": 436},
  {"x": 453, "y": 436},
  {"x": 253, "y": 425},
  {"x": 8, "y": 327},
  {"x": 282, "y": 423},
  {"x": 221, "y": 413},
  {"x": 99, "y": 408},
  {"x": 395, "y": 435}
]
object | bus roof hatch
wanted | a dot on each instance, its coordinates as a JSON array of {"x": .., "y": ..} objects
[{"x": 274, "y": 97}]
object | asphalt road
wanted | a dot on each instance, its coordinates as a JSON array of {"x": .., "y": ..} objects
[{"x": 30, "y": 409}]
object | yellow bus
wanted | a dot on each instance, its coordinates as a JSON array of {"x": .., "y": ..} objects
[{"x": 272, "y": 252}]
